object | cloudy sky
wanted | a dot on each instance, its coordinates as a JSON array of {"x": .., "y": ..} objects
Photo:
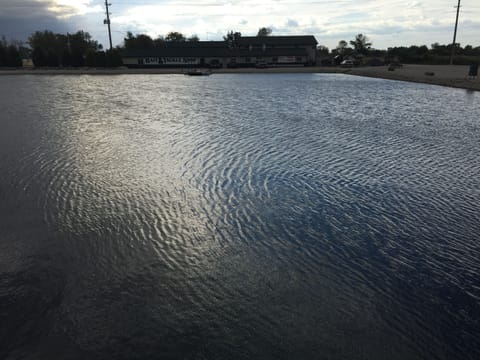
[{"x": 386, "y": 23}]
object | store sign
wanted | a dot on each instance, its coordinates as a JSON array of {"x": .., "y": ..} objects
[{"x": 170, "y": 61}]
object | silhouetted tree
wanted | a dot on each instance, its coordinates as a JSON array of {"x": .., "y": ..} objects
[
  {"x": 264, "y": 31},
  {"x": 79, "y": 45},
  {"x": 175, "y": 36},
  {"x": 49, "y": 49},
  {"x": 438, "y": 49},
  {"x": 10, "y": 53},
  {"x": 113, "y": 58},
  {"x": 140, "y": 41},
  {"x": 361, "y": 44},
  {"x": 194, "y": 38},
  {"x": 13, "y": 56},
  {"x": 43, "y": 44},
  {"x": 159, "y": 42},
  {"x": 232, "y": 39},
  {"x": 3, "y": 54},
  {"x": 342, "y": 47},
  {"x": 322, "y": 50}
]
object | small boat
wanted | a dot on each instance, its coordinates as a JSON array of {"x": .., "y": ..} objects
[{"x": 197, "y": 72}]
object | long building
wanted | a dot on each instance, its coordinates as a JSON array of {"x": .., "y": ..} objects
[{"x": 248, "y": 52}]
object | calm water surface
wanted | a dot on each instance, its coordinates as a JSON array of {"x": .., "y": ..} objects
[{"x": 238, "y": 217}]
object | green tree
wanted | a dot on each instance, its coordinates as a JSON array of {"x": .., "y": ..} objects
[
  {"x": 264, "y": 31},
  {"x": 361, "y": 44},
  {"x": 194, "y": 38},
  {"x": 175, "y": 36}
]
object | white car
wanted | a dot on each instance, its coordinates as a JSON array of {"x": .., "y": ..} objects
[{"x": 347, "y": 63}]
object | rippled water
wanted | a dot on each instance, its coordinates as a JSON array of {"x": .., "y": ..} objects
[{"x": 238, "y": 217}]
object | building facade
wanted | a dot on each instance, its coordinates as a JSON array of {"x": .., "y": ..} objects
[{"x": 247, "y": 52}]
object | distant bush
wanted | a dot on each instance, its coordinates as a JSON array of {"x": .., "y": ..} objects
[{"x": 437, "y": 55}]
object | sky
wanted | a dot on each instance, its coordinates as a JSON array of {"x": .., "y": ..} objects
[{"x": 385, "y": 23}]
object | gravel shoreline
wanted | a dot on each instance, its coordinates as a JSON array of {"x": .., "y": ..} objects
[{"x": 444, "y": 75}]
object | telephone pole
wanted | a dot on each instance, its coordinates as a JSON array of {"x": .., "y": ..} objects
[
  {"x": 107, "y": 22},
  {"x": 455, "y": 35}
]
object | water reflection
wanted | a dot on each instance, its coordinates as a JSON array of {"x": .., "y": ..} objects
[{"x": 239, "y": 216}]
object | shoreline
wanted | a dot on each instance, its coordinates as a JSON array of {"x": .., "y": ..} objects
[{"x": 443, "y": 75}]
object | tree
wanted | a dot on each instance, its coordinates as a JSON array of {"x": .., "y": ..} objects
[
  {"x": 44, "y": 46},
  {"x": 342, "y": 47},
  {"x": 159, "y": 42},
  {"x": 232, "y": 39},
  {"x": 79, "y": 45},
  {"x": 194, "y": 38},
  {"x": 49, "y": 49},
  {"x": 438, "y": 49},
  {"x": 113, "y": 58},
  {"x": 3, "y": 52},
  {"x": 10, "y": 53},
  {"x": 140, "y": 41},
  {"x": 13, "y": 56},
  {"x": 264, "y": 31},
  {"x": 175, "y": 36},
  {"x": 322, "y": 50},
  {"x": 361, "y": 44}
]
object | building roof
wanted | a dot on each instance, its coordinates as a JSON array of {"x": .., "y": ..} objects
[
  {"x": 211, "y": 52},
  {"x": 195, "y": 44},
  {"x": 278, "y": 40},
  {"x": 249, "y": 46}
]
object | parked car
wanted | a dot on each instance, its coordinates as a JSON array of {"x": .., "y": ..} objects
[{"x": 347, "y": 63}]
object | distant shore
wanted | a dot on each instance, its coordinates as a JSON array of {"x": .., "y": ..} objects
[{"x": 444, "y": 75}]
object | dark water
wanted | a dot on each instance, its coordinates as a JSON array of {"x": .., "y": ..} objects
[{"x": 238, "y": 217}]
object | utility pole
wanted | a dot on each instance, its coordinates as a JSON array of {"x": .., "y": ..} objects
[
  {"x": 107, "y": 22},
  {"x": 455, "y": 35}
]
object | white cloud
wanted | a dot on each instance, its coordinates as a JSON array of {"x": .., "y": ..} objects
[
  {"x": 386, "y": 23},
  {"x": 65, "y": 9}
]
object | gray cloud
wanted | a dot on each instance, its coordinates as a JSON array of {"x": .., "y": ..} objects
[{"x": 20, "y": 18}]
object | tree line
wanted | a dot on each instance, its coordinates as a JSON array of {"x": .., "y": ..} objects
[
  {"x": 11, "y": 53},
  {"x": 361, "y": 47},
  {"x": 143, "y": 41},
  {"x": 70, "y": 50},
  {"x": 78, "y": 49}
]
